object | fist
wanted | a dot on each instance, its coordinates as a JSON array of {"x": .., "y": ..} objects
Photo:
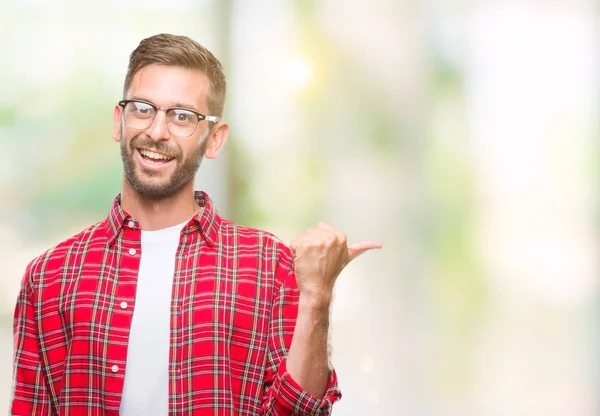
[{"x": 320, "y": 254}]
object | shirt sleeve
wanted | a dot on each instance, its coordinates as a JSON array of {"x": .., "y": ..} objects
[
  {"x": 29, "y": 392},
  {"x": 283, "y": 395}
]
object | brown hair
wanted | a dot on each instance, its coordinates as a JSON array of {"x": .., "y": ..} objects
[{"x": 166, "y": 49}]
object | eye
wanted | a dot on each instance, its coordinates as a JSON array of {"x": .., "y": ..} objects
[
  {"x": 183, "y": 117},
  {"x": 141, "y": 109}
]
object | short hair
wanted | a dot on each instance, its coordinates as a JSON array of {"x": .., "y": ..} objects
[{"x": 167, "y": 49}]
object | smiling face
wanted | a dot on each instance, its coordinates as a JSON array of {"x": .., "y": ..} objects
[{"x": 157, "y": 163}]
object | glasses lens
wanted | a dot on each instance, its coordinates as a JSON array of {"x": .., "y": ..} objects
[
  {"x": 182, "y": 122},
  {"x": 139, "y": 115}
]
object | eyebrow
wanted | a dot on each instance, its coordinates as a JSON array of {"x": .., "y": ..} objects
[{"x": 177, "y": 104}]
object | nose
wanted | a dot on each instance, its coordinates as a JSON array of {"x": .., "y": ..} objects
[{"x": 158, "y": 130}]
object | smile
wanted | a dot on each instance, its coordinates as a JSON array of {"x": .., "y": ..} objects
[{"x": 152, "y": 160}]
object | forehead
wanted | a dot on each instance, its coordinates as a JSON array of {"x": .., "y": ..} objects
[{"x": 169, "y": 86}]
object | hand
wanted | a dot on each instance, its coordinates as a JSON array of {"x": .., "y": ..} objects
[{"x": 320, "y": 254}]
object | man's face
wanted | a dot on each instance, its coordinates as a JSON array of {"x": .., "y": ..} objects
[{"x": 157, "y": 163}]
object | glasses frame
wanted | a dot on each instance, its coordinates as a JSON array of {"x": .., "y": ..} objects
[{"x": 123, "y": 104}]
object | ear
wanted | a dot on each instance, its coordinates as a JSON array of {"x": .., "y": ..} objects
[
  {"x": 216, "y": 139},
  {"x": 116, "y": 133}
]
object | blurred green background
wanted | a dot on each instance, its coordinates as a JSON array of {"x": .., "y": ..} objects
[{"x": 461, "y": 134}]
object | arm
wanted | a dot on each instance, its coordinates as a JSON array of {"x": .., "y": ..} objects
[
  {"x": 283, "y": 394},
  {"x": 320, "y": 254},
  {"x": 308, "y": 358},
  {"x": 29, "y": 393},
  {"x": 304, "y": 375}
]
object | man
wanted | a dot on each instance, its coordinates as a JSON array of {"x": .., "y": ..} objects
[{"x": 165, "y": 307}]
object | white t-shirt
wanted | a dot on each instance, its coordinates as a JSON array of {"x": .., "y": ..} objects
[{"x": 146, "y": 388}]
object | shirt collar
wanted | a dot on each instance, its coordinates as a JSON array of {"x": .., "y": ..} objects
[{"x": 207, "y": 221}]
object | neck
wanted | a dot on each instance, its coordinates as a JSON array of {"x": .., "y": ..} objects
[{"x": 158, "y": 213}]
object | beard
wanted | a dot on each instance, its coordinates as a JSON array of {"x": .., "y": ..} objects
[{"x": 159, "y": 185}]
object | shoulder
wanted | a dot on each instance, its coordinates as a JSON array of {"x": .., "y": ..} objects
[
  {"x": 259, "y": 242},
  {"x": 53, "y": 260}
]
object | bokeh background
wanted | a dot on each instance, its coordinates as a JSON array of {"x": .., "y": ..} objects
[{"x": 461, "y": 134}]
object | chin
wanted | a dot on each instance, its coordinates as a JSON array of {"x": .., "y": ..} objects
[{"x": 152, "y": 188}]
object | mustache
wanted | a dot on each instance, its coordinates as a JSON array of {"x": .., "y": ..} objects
[{"x": 149, "y": 144}]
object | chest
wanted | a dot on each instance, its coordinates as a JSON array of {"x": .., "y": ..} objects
[{"x": 219, "y": 293}]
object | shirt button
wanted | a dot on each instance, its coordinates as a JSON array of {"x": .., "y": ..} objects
[
  {"x": 114, "y": 368},
  {"x": 123, "y": 305},
  {"x": 132, "y": 251},
  {"x": 131, "y": 224}
]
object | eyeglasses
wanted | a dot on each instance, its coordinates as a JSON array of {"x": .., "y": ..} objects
[{"x": 139, "y": 115}]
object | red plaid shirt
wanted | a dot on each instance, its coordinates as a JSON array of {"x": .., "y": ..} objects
[{"x": 233, "y": 311}]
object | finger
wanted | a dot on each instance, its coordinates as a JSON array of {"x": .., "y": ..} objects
[
  {"x": 300, "y": 244},
  {"x": 295, "y": 244},
  {"x": 340, "y": 236},
  {"x": 324, "y": 226},
  {"x": 318, "y": 236},
  {"x": 357, "y": 249},
  {"x": 315, "y": 231}
]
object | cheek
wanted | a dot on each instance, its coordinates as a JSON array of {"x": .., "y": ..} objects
[
  {"x": 127, "y": 141},
  {"x": 122, "y": 135},
  {"x": 185, "y": 148}
]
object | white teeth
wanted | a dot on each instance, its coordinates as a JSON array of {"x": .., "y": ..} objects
[{"x": 153, "y": 155}]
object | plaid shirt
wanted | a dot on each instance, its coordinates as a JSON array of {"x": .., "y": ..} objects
[{"x": 233, "y": 311}]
